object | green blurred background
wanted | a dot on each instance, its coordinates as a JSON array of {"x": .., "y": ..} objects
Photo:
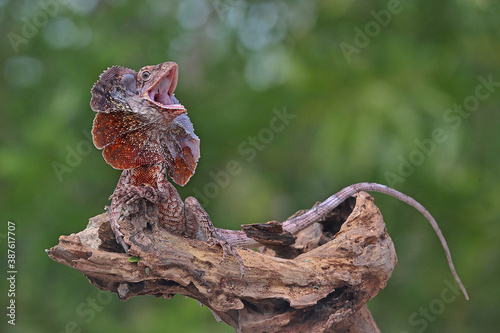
[{"x": 365, "y": 83}]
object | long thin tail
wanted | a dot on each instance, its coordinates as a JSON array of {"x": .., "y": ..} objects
[
  {"x": 301, "y": 221},
  {"x": 414, "y": 203}
]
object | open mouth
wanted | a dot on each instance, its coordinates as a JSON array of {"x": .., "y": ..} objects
[{"x": 162, "y": 92}]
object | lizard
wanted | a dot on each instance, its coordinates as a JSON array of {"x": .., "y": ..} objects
[{"x": 145, "y": 131}]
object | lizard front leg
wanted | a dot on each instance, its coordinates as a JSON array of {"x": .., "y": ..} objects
[
  {"x": 116, "y": 209},
  {"x": 171, "y": 207}
]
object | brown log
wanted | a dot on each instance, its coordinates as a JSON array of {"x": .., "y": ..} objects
[{"x": 330, "y": 272}]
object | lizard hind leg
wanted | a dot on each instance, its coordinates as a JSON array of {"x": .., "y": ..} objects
[{"x": 199, "y": 226}]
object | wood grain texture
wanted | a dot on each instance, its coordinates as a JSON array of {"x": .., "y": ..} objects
[{"x": 322, "y": 286}]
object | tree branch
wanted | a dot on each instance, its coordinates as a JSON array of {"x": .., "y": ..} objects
[{"x": 319, "y": 283}]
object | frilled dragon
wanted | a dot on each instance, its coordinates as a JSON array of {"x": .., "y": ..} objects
[{"x": 145, "y": 131}]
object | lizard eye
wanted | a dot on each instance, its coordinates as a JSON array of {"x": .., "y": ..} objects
[{"x": 145, "y": 75}]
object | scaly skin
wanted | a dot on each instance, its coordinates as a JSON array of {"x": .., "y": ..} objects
[{"x": 145, "y": 131}]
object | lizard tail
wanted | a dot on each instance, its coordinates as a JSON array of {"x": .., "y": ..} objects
[
  {"x": 414, "y": 203},
  {"x": 296, "y": 224}
]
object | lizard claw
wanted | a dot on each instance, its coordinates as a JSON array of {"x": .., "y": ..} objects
[
  {"x": 227, "y": 247},
  {"x": 126, "y": 195}
]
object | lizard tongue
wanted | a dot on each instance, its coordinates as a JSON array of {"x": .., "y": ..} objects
[
  {"x": 163, "y": 98},
  {"x": 160, "y": 93}
]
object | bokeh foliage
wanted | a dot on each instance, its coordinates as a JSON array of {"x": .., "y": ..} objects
[{"x": 360, "y": 104}]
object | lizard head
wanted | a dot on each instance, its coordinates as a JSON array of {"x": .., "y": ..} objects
[
  {"x": 156, "y": 84},
  {"x": 151, "y": 90}
]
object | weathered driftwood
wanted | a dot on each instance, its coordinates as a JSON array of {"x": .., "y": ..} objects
[{"x": 333, "y": 269}]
